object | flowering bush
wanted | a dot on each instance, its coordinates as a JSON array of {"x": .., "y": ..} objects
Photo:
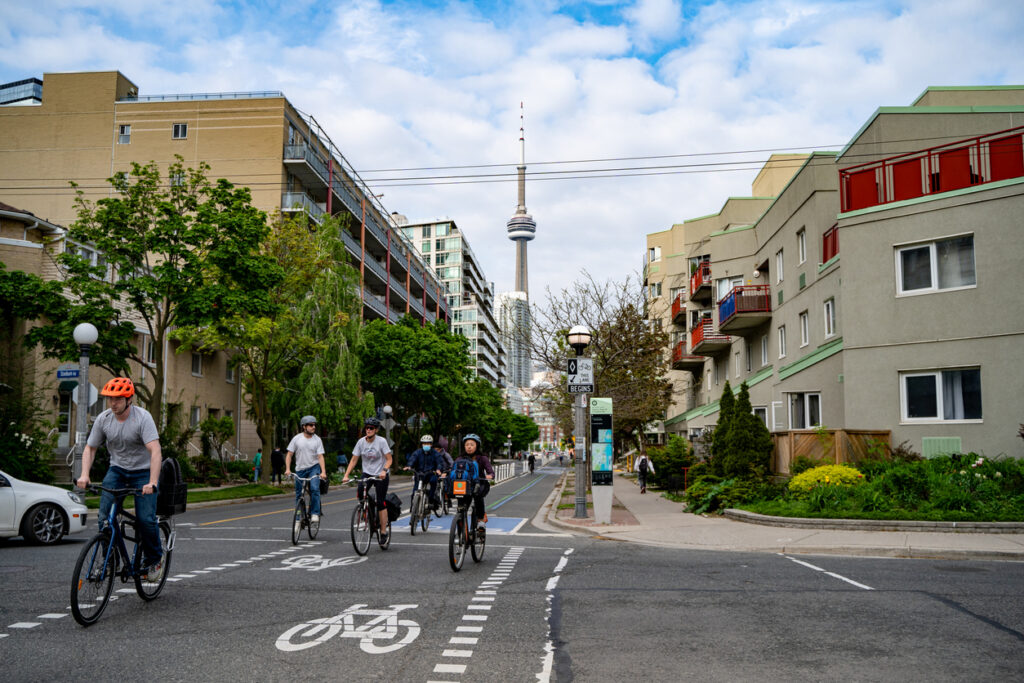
[{"x": 825, "y": 476}]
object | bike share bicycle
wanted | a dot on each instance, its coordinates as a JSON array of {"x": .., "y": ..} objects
[
  {"x": 421, "y": 506},
  {"x": 302, "y": 519},
  {"x": 464, "y": 531},
  {"x": 106, "y": 556},
  {"x": 365, "y": 520}
]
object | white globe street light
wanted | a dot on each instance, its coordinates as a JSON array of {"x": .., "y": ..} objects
[
  {"x": 579, "y": 338},
  {"x": 85, "y": 335}
]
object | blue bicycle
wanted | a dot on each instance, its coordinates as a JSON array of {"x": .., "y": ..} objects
[{"x": 106, "y": 556}]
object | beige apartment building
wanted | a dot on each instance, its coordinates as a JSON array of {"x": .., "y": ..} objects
[
  {"x": 878, "y": 290},
  {"x": 84, "y": 127}
]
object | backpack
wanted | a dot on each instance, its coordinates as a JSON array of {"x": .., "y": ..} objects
[
  {"x": 172, "y": 492},
  {"x": 464, "y": 472},
  {"x": 643, "y": 466}
]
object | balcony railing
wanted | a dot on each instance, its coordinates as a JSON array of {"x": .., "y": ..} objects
[
  {"x": 953, "y": 166},
  {"x": 705, "y": 341},
  {"x": 745, "y": 306},
  {"x": 830, "y": 244},
  {"x": 679, "y": 309},
  {"x": 700, "y": 281},
  {"x": 297, "y": 201},
  {"x": 374, "y": 303},
  {"x": 682, "y": 361}
]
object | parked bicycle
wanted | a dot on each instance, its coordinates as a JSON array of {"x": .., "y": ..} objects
[
  {"x": 366, "y": 521},
  {"x": 421, "y": 506},
  {"x": 106, "y": 556},
  {"x": 464, "y": 531},
  {"x": 302, "y": 519}
]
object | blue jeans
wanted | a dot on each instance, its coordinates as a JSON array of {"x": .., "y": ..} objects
[
  {"x": 314, "y": 487},
  {"x": 256, "y": 473},
  {"x": 145, "y": 509}
]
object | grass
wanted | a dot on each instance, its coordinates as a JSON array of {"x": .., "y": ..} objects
[
  {"x": 572, "y": 506},
  {"x": 222, "y": 493}
]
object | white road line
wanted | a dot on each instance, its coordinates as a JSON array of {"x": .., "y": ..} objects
[
  {"x": 548, "y": 660},
  {"x": 457, "y": 653},
  {"x": 469, "y": 629},
  {"x": 478, "y": 598},
  {"x": 184, "y": 576},
  {"x": 481, "y": 607},
  {"x": 828, "y": 573},
  {"x": 51, "y": 616},
  {"x": 172, "y": 580},
  {"x": 450, "y": 668},
  {"x": 200, "y": 571},
  {"x": 474, "y": 617},
  {"x": 552, "y": 583},
  {"x": 126, "y": 590},
  {"x": 455, "y": 640},
  {"x": 3, "y": 635},
  {"x": 25, "y": 624}
]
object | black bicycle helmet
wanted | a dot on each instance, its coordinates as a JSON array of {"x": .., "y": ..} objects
[
  {"x": 474, "y": 437},
  {"x": 371, "y": 422},
  {"x": 307, "y": 420}
]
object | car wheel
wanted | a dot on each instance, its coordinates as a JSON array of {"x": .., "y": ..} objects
[{"x": 44, "y": 524}]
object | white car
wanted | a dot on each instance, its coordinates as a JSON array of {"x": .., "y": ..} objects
[{"x": 38, "y": 512}]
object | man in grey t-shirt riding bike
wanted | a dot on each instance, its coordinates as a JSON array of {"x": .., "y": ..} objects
[
  {"x": 308, "y": 450},
  {"x": 376, "y": 455}
]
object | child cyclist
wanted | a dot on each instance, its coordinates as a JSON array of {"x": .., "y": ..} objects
[{"x": 471, "y": 447}]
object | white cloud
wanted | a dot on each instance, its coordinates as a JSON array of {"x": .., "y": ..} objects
[{"x": 653, "y": 21}]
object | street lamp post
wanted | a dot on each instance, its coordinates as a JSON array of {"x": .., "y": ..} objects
[
  {"x": 388, "y": 423},
  {"x": 579, "y": 339},
  {"x": 509, "y": 444},
  {"x": 85, "y": 335}
]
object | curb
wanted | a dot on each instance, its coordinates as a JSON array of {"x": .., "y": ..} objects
[{"x": 876, "y": 524}]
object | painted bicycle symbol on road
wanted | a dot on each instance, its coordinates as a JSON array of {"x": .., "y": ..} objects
[
  {"x": 315, "y": 563},
  {"x": 384, "y": 626}
]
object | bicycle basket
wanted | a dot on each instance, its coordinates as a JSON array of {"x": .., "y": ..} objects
[{"x": 460, "y": 487}]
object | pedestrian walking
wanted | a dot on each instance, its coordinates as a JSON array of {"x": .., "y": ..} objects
[
  {"x": 643, "y": 467},
  {"x": 277, "y": 464},
  {"x": 257, "y": 465}
]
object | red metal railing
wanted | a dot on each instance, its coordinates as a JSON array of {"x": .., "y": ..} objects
[
  {"x": 830, "y": 244},
  {"x": 705, "y": 332},
  {"x": 700, "y": 277},
  {"x": 678, "y": 351},
  {"x": 953, "y": 166},
  {"x": 678, "y": 306}
]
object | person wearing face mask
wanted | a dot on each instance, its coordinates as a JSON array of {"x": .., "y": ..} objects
[{"x": 425, "y": 462}]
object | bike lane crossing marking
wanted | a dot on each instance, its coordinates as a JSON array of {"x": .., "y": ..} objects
[
  {"x": 486, "y": 592},
  {"x": 828, "y": 573}
]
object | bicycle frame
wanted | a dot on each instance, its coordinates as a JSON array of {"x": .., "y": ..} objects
[{"x": 117, "y": 537}]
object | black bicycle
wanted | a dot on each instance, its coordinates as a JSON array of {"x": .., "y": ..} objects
[
  {"x": 106, "y": 556},
  {"x": 419, "y": 511},
  {"x": 303, "y": 518},
  {"x": 464, "y": 530},
  {"x": 366, "y": 520}
]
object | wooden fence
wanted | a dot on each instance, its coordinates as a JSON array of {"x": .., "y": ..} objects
[{"x": 829, "y": 446}]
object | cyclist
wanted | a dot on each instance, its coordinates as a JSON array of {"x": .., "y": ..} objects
[
  {"x": 471, "y": 447},
  {"x": 130, "y": 435},
  {"x": 426, "y": 463},
  {"x": 532, "y": 460},
  {"x": 376, "y": 455},
  {"x": 308, "y": 450}
]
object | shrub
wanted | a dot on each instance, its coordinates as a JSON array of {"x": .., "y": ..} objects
[
  {"x": 748, "y": 448},
  {"x": 669, "y": 462},
  {"x": 824, "y": 476},
  {"x": 708, "y": 493},
  {"x": 720, "y": 437},
  {"x": 802, "y": 463}
]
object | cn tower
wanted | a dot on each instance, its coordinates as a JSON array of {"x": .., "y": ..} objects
[{"x": 521, "y": 227}]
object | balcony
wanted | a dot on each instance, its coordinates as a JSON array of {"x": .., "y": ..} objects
[
  {"x": 375, "y": 304},
  {"x": 830, "y": 244},
  {"x": 700, "y": 283},
  {"x": 744, "y": 308},
  {"x": 306, "y": 165},
  {"x": 293, "y": 202},
  {"x": 682, "y": 361},
  {"x": 953, "y": 166},
  {"x": 679, "y": 310},
  {"x": 416, "y": 306},
  {"x": 704, "y": 341}
]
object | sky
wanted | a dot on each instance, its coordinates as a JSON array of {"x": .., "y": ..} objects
[{"x": 424, "y": 97}]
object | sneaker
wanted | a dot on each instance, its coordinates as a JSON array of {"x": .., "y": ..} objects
[
  {"x": 384, "y": 537},
  {"x": 153, "y": 571},
  {"x": 314, "y": 519}
]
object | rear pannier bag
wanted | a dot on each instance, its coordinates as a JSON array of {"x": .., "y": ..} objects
[
  {"x": 394, "y": 504},
  {"x": 171, "y": 490}
]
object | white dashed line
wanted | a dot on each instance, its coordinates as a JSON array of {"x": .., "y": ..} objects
[
  {"x": 833, "y": 575},
  {"x": 25, "y": 624},
  {"x": 547, "y": 661},
  {"x": 51, "y": 616},
  {"x": 483, "y": 607},
  {"x": 469, "y": 629},
  {"x": 462, "y": 641},
  {"x": 474, "y": 617},
  {"x": 457, "y": 653},
  {"x": 448, "y": 668}
]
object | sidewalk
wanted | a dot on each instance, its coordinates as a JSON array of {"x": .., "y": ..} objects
[{"x": 653, "y": 520}]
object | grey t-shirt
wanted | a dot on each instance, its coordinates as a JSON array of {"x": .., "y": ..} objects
[
  {"x": 373, "y": 454},
  {"x": 125, "y": 441},
  {"x": 306, "y": 451}
]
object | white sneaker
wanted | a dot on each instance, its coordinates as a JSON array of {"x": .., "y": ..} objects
[{"x": 314, "y": 518}]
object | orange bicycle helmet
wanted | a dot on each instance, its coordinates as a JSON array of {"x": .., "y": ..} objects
[{"x": 119, "y": 386}]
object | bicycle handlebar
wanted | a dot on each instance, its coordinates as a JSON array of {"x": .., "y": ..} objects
[{"x": 96, "y": 488}]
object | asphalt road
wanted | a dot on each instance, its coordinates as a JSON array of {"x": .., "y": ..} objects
[{"x": 245, "y": 604}]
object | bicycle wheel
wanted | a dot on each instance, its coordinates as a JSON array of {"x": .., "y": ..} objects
[
  {"x": 93, "y": 580},
  {"x": 361, "y": 529},
  {"x": 478, "y": 541},
  {"x": 298, "y": 520},
  {"x": 415, "y": 510},
  {"x": 312, "y": 528},
  {"x": 149, "y": 588},
  {"x": 456, "y": 542},
  {"x": 425, "y": 508}
]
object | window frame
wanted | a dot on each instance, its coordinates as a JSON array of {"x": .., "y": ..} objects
[
  {"x": 801, "y": 246},
  {"x": 830, "y": 317},
  {"x": 939, "y": 393},
  {"x": 779, "y": 266},
  {"x": 764, "y": 350},
  {"x": 898, "y": 250},
  {"x": 181, "y": 128},
  {"x": 805, "y": 329},
  {"x": 124, "y": 133},
  {"x": 782, "y": 340},
  {"x": 806, "y": 408},
  {"x": 197, "y": 357}
]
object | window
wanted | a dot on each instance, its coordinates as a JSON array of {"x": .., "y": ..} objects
[
  {"x": 443, "y": 229},
  {"x": 782, "y": 341},
  {"x": 177, "y": 179},
  {"x": 805, "y": 330},
  {"x": 229, "y": 373},
  {"x": 778, "y": 266},
  {"x": 718, "y": 372},
  {"x": 426, "y": 231},
  {"x": 944, "y": 264},
  {"x": 762, "y": 414},
  {"x": 655, "y": 289},
  {"x": 801, "y": 245},
  {"x": 830, "y": 318},
  {"x": 725, "y": 285},
  {"x": 179, "y": 131},
  {"x": 193, "y": 418},
  {"x": 747, "y": 349},
  {"x": 764, "y": 350},
  {"x": 197, "y": 364},
  {"x": 124, "y": 134},
  {"x": 654, "y": 254},
  {"x": 150, "y": 350},
  {"x": 425, "y": 246},
  {"x": 941, "y": 395},
  {"x": 804, "y": 410},
  {"x": 736, "y": 364}
]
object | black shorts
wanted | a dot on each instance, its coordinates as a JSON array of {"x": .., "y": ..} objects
[{"x": 380, "y": 487}]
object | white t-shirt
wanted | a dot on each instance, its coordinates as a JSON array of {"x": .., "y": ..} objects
[
  {"x": 306, "y": 451},
  {"x": 374, "y": 454}
]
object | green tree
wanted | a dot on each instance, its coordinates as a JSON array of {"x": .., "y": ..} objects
[
  {"x": 524, "y": 431},
  {"x": 669, "y": 462},
  {"x": 183, "y": 254},
  {"x": 749, "y": 442},
  {"x": 720, "y": 446},
  {"x": 218, "y": 430}
]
